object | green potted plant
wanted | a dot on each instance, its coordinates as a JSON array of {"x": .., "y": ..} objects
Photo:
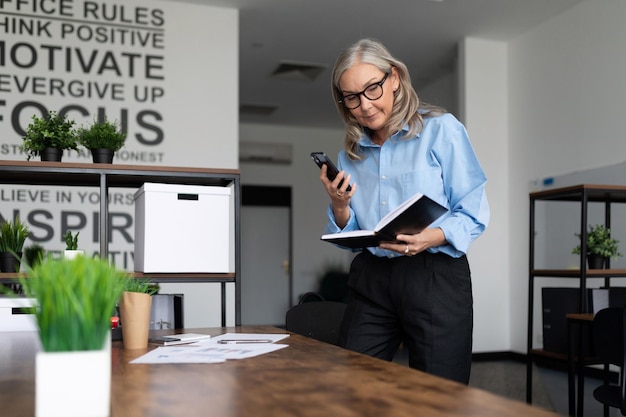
[
  {"x": 135, "y": 306},
  {"x": 49, "y": 136},
  {"x": 71, "y": 245},
  {"x": 600, "y": 246},
  {"x": 103, "y": 139},
  {"x": 34, "y": 254},
  {"x": 74, "y": 299},
  {"x": 139, "y": 285},
  {"x": 13, "y": 234}
]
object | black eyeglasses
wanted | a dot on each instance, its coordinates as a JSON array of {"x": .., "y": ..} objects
[{"x": 371, "y": 92}]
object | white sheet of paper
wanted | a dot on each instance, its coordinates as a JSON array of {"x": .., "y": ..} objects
[
  {"x": 239, "y": 351},
  {"x": 179, "y": 354},
  {"x": 210, "y": 351},
  {"x": 242, "y": 337}
]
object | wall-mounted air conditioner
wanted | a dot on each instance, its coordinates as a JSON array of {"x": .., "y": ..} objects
[{"x": 273, "y": 153}]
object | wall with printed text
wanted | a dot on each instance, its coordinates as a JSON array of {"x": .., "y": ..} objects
[{"x": 149, "y": 65}]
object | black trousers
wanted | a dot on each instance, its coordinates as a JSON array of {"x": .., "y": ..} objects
[{"x": 423, "y": 301}]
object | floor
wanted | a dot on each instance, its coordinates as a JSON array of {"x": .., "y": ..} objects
[
  {"x": 508, "y": 379},
  {"x": 555, "y": 382}
]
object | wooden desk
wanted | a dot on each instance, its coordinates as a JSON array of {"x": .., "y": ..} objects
[{"x": 309, "y": 378}]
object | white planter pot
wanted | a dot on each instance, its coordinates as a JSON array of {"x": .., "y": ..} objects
[
  {"x": 74, "y": 384},
  {"x": 71, "y": 254}
]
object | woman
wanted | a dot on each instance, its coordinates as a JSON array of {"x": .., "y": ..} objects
[{"x": 417, "y": 292}]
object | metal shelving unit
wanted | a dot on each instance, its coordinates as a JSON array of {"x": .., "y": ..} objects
[
  {"x": 105, "y": 176},
  {"x": 582, "y": 194}
]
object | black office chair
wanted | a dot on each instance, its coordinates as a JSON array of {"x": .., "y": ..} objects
[
  {"x": 334, "y": 286},
  {"x": 609, "y": 335},
  {"x": 310, "y": 297},
  {"x": 318, "y": 319}
]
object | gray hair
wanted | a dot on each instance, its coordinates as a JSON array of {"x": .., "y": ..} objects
[{"x": 407, "y": 109}]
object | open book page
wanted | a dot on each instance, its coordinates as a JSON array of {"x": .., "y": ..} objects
[
  {"x": 394, "y": 213},
  {"x": 356, "y": 239},
  {"x": 351, "y": 233}
]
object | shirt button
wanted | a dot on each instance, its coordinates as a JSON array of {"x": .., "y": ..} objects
[
  {"x": 384, "y": 177},
  {"x": 384, "y": 203}
]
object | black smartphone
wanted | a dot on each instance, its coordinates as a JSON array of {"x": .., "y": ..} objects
[{"x": 320, "y": 159}]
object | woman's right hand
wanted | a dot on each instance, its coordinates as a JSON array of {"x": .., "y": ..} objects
[{"x": 339, "y": 196}]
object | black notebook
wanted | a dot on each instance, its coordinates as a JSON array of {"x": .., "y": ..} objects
[{"x": 410, "y": 217}]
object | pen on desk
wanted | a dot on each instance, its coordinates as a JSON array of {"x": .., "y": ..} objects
[{"x": 242, "y": 341}]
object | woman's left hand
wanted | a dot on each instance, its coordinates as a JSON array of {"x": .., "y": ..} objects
[{"x": 413, "y": 244}]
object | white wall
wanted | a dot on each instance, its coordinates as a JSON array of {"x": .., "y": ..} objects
[
  {"x": 488, "y": 256},
  {"x": 310, "y": 256},
  {"x": 567, "y": 89},
  {"x": 442, "y": 92},
  {"x": 309, "y": 200},
  {"x": 183, "y": 125},
  {"x": 483, "y": 104},
  {"x": 547, "y": 103},
  {"x": 550, "y": 102}
]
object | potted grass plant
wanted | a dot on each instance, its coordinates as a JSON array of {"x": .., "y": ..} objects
[
  {"x": 600, "y": 246},
  {"x": 103, "y": 139},
  {"x": 13, "y": 234},
  {"x": 34, "y": 254},
  {"x": 49, "y": 136},
  {"x": 135, "y": 306},
  {"x": 74, "y": 299}
]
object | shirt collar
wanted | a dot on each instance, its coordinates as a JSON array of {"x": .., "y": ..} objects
[{"x": 366, "y": 139}]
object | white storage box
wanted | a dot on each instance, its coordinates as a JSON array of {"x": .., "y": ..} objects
[
  {"x": 13, "y": 318},
  {"x": 182, "y": 228}
]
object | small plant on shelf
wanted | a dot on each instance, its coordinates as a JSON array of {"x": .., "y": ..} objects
[
  {"x": 71, "y": 245},
  {"x": 600, "y": 242},
  {"x": 71, "y": 241},
  {"x": 13, "y": 234},
  {"x": 49, "y": 132},
  {"x": 103, "y": 139},
  {"x": 34, "y": 254},
  {"x": 102, "y": 135}
]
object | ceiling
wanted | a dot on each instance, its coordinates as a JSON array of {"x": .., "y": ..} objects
[{"x": 422, "y": 33}]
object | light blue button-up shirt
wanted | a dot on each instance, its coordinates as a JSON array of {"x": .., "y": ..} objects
[{"x": 439, "y": 162}]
